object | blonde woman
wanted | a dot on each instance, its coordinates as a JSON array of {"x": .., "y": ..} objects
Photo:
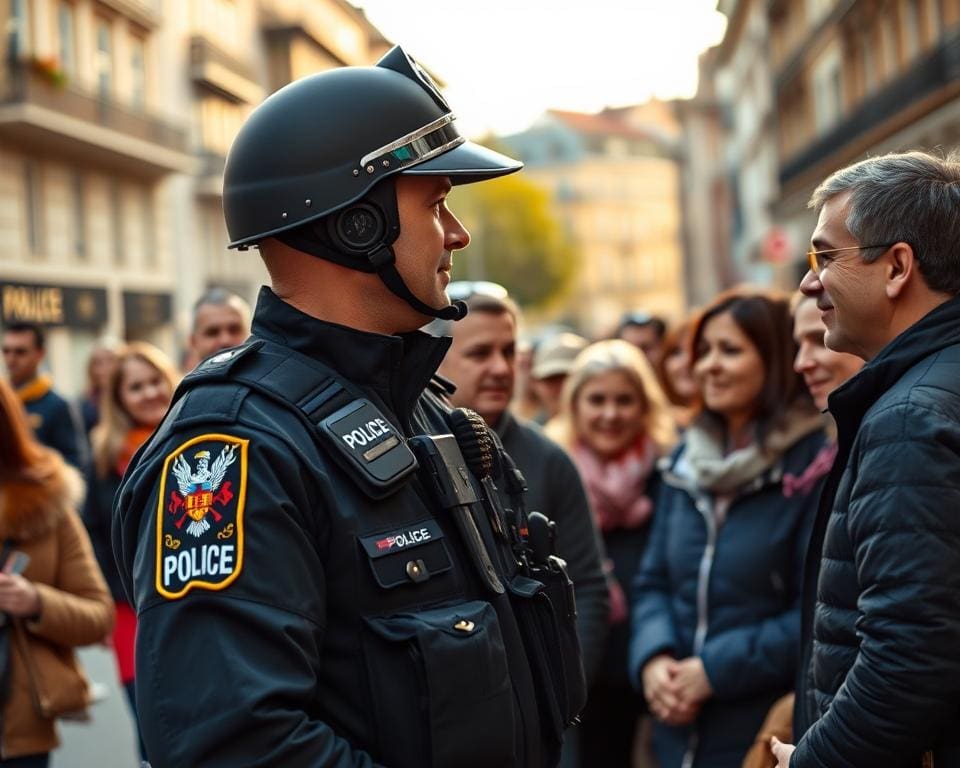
[
  {"x": 136, "y": 398},
  {"x": 615, "y": 421}
]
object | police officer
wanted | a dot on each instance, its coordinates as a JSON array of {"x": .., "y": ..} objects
[{"x": 318, "y": 580}]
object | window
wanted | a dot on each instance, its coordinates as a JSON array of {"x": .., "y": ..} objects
[
  {"x": 827, "y": 92},
  {"x": 911, "y": 29},
  {"x": 19, "y": 29},
  {"x": 888, "y": 46},
  {"x": 116, "y": 220},
  {"x": 103, "y": 59},
  {"x": 868, "y": 61},
  {"x": 79, "y": 216},
  {"x": 138, "y": 73},
  {"x": 149, "y": 238},
  {"x": 32, "y": 194},
  {"x": 66, "y": 38}
]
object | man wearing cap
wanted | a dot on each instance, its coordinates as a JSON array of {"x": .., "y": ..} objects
[
  {"x": 329, "y": 585},
  {"x": 552, "y": 361}
]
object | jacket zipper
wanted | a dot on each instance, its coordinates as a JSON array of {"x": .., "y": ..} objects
[{"x": 705, "y": 508}]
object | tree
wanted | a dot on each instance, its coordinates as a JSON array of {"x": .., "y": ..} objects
[{"x": 517, "y": 240}]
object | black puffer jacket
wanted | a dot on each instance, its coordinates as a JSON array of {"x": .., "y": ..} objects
[{"x": 881, "y": 648}]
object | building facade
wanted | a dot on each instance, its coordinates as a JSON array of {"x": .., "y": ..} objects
[
  {"x": 796, "y": 90},
  {"x": 115, "y": 120},
  {"x": 615, "y": 183},
  {"x": 856, "y": 78}
]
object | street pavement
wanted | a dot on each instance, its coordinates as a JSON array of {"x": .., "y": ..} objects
[{"x": 106, "y": 740}]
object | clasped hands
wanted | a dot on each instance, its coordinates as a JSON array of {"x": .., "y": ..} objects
[{"x": 675, "y": 690}]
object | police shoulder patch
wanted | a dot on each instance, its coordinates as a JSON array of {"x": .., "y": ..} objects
[{"x": 200, "y": 515}]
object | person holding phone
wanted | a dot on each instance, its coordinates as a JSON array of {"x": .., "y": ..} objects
[{"x": 53, "y": 597}]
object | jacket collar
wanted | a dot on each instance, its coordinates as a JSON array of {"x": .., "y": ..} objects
[
  {"x": 397, "y": 368},
  {"x": 34, "y": 389},
  {"x": 938, "y": 329},
  {"x": 32, "y": 506}
]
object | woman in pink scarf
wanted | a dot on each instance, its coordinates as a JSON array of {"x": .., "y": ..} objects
[{"x": 615, "y": 421}]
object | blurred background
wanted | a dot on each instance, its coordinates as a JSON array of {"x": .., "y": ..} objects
[{"x": 670, "y": 148}]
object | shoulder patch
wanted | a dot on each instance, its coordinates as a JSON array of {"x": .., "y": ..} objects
[{"x": 200, "y": 515}]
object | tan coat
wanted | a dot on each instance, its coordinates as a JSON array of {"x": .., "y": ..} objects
[{"x": 76, "y": 605}]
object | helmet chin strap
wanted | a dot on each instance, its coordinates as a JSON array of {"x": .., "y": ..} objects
[{"x": 384, "y": 261}]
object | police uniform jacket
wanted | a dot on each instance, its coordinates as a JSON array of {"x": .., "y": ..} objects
[{"x": 310, "y": 624}]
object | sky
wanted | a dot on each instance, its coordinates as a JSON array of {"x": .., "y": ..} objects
[{"x": 505, "y": 62}]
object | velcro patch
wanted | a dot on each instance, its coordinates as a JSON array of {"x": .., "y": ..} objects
[
  {"x": 410, "y": 536},
  {"x": 200, "y": 515}
]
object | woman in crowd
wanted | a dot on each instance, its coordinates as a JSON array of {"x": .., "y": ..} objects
[
  {"x": 52, "y": 595},
  {"x": 103, "y": 358},
  {"x": 675, "y": 375},
  {"x": 616, "y": 423},
  {"x": 137, "y": 397},
  {"x": 823, "y": 370},
  {"x": 716, "y": 618}
]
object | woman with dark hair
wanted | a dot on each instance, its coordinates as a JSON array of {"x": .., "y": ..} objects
[
  {"x": 52, "y": 594},
  {"x": 136, "y": 399},
  {"x": 716, "y": 618}
]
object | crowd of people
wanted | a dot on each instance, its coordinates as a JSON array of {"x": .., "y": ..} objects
[{"x": 755, "y": 505}]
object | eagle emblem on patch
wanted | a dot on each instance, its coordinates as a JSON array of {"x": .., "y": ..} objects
[{"x": 200, "y": 515}]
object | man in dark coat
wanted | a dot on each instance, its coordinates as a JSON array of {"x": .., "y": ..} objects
[
  {"x": 54, "y": 421},
  {"x": 880, "y": 669},
  {"x": 480, "y": 363}
]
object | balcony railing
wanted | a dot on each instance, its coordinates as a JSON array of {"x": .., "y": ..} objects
[
  {"x": 26, "y": 84},
  {"x": 939, "y": 69}
]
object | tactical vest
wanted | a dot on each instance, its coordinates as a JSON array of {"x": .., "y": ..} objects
[{"x": 509, "y": 551}]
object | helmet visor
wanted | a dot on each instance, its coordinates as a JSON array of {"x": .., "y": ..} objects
[{"x": 467, "y": 163}]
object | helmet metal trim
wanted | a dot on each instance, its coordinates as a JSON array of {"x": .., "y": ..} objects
[{"x": 419, "y": 145}]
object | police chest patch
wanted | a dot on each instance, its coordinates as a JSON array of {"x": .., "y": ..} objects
[{"x": 200, "y": 515}]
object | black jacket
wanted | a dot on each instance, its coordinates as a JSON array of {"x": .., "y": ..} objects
[
  {"x": 355, "y": 632},
  {"x": 557, "y": 491},
  {"x": 55, "y": 423},
  {"x": 880, "y": 671}
]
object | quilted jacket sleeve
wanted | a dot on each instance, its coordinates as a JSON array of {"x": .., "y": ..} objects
[{"x": 904, "y": 527}]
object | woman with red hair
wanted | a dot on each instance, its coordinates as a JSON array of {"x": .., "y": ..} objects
[{"x": 52, "y": 593}]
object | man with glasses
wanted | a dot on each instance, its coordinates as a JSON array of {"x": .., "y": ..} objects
[
  {"x": 316, "y": 579},
  {"x": 55, "y": 423},
  {"x": 880, "y": 669}
]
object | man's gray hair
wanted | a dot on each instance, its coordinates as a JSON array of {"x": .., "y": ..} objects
[
  {"x": 222, "y": 297},
  {"x": 913, "y": 197}
]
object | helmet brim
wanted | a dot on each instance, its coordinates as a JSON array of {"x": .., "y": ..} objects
[{"x": 466, "y": 164}]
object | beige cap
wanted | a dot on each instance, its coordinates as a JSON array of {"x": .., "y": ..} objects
[{"x": 554, "y": 356}]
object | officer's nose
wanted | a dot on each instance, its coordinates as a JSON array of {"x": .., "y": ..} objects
[
  {"x": 811, "y": 285},
  {"x": 457, "y": 236}
]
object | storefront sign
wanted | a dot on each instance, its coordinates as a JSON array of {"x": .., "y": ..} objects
[
  {"x": 146, "y": 310},
  {"x": 52, "y": 305}
]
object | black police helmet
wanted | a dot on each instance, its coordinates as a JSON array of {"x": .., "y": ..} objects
[{"x": 325, "y": 141}]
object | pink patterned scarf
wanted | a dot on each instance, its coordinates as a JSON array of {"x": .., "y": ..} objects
[{"x": 617, "y": 488}]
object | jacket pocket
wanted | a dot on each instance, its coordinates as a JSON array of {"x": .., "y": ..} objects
[{"x": 440, "y": 687}]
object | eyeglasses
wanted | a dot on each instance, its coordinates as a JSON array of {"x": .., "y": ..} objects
[
  {"x": 461, "y": 290},
  {"x": 817, "y": 259}
]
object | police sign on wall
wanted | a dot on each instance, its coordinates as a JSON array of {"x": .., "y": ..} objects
[
  {"x": 200, "y": 515},
  {"x": 52, "y": 305}
]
